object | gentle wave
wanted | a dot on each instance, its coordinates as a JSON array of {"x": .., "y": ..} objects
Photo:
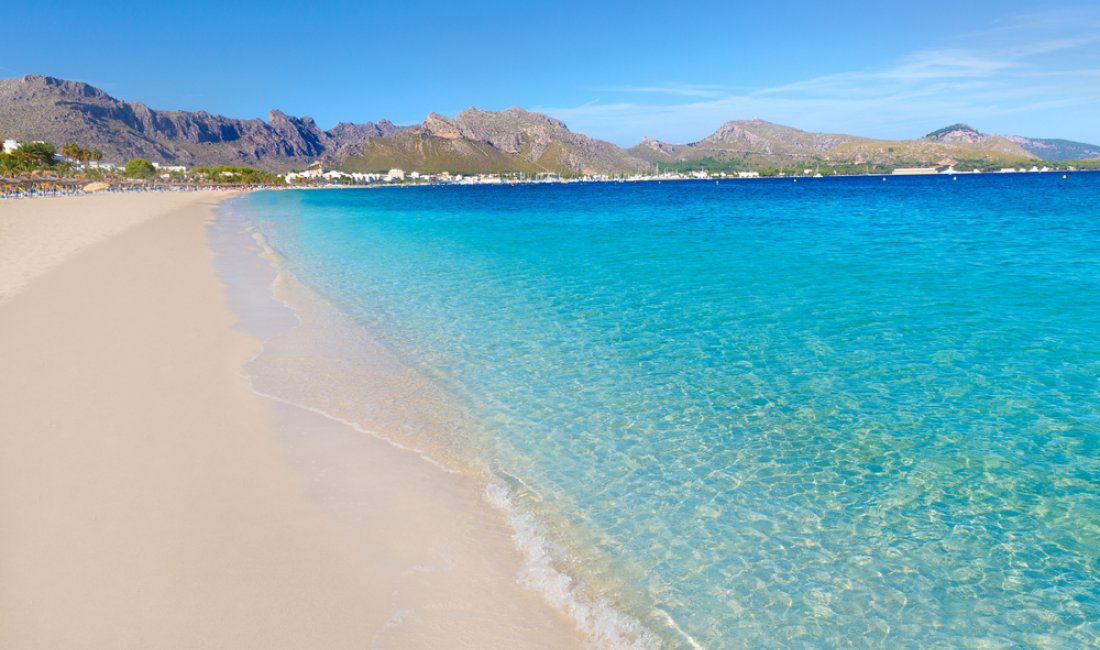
[{"x": 316, "y": 320}]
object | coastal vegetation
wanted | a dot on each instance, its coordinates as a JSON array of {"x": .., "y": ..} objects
[
  {"x": 74, "y": 164},
  {"x": 225, "y": 175},
  {"x": 29, "y": 157},
  {"x": 80, "y": 154},
  {"x": 139, "y": 168},
  {"x": 1092, "y": 163}
]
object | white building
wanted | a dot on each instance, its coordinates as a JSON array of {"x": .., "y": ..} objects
[
  {"x": 316, "y": 174},
  {"x": 170, "y": 168},
  {"x": 312, "y": 173},
  {"x": 10, "y": 145}
]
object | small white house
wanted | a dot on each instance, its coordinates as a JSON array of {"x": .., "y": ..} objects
[
  {"x": 10, "y": 145},
  {"x": 314, "y": 172}
]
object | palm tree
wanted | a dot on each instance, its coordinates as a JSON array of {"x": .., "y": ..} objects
[{"x": 35, "y": 154}]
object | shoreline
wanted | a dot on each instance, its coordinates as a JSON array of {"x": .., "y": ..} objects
[
  {"x": 317, "y": 359},
  {"x": 166, "y": 504},
  {"x": 186, "y": 187}
]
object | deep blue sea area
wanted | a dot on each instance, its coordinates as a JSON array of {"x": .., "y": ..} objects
[{"x": 760, "y": 413}]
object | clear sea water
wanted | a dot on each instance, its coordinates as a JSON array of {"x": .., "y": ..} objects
[{"x": 761, "y": 413}]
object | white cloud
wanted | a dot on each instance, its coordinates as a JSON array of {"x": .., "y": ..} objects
[{"x": 1016, "y": 77}]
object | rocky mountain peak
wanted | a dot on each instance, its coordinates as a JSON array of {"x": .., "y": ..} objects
[
  {"x": 514, "y": 117},
  {"x": 658, "y": 145},
  {"x": 37, "y": 83},
  {"x": 441, "y": 126},
  {"x": 277, "y": 118},
  {"x": 956, "y": 133},
  {"x": 736, "y": 131}
]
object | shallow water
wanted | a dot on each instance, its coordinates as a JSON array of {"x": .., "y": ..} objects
[{"x": 759, "y": 413}]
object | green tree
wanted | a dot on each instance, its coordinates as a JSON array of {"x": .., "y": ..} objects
[
  {"x": 8, "y": 163},
  {"x": 32, "y": 155},
  {"x": 139, "y": 168}
]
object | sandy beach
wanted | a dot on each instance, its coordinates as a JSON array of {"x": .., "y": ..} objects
[{"x": 150, "y": 499}]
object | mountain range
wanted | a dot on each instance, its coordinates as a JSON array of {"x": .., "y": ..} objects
[
  {"x": 757, "y": 143},
  {"x": 476, "y": 141},
  {"x": 36, "y": 107}
]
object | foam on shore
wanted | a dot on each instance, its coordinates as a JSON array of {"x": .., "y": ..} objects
[
  {"x": 316, "y": 358},
  {"x": 149, "y": 498}
]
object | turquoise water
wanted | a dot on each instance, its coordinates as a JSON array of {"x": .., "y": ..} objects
[{"x": 838, "y": 412}]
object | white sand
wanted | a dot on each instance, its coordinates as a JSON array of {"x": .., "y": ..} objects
[
  {"x": 38, "y": 234},
  {"x": 149, "y": 499}
]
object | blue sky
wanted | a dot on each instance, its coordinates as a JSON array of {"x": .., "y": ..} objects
[{"x": 669, "y": 70}]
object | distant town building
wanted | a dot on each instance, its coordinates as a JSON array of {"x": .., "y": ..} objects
[
  {"x": 395, "y": 175},
  {"x": 914, "y": 171},
  {"x": 313, "y": 173},
  {"x": 170, "y": 168},
  {"x": 317, "y": 173},
  {"x": 10, "y": 145}
]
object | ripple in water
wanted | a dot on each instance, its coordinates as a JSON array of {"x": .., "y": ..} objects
[{"x": 761, "y": 414}]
